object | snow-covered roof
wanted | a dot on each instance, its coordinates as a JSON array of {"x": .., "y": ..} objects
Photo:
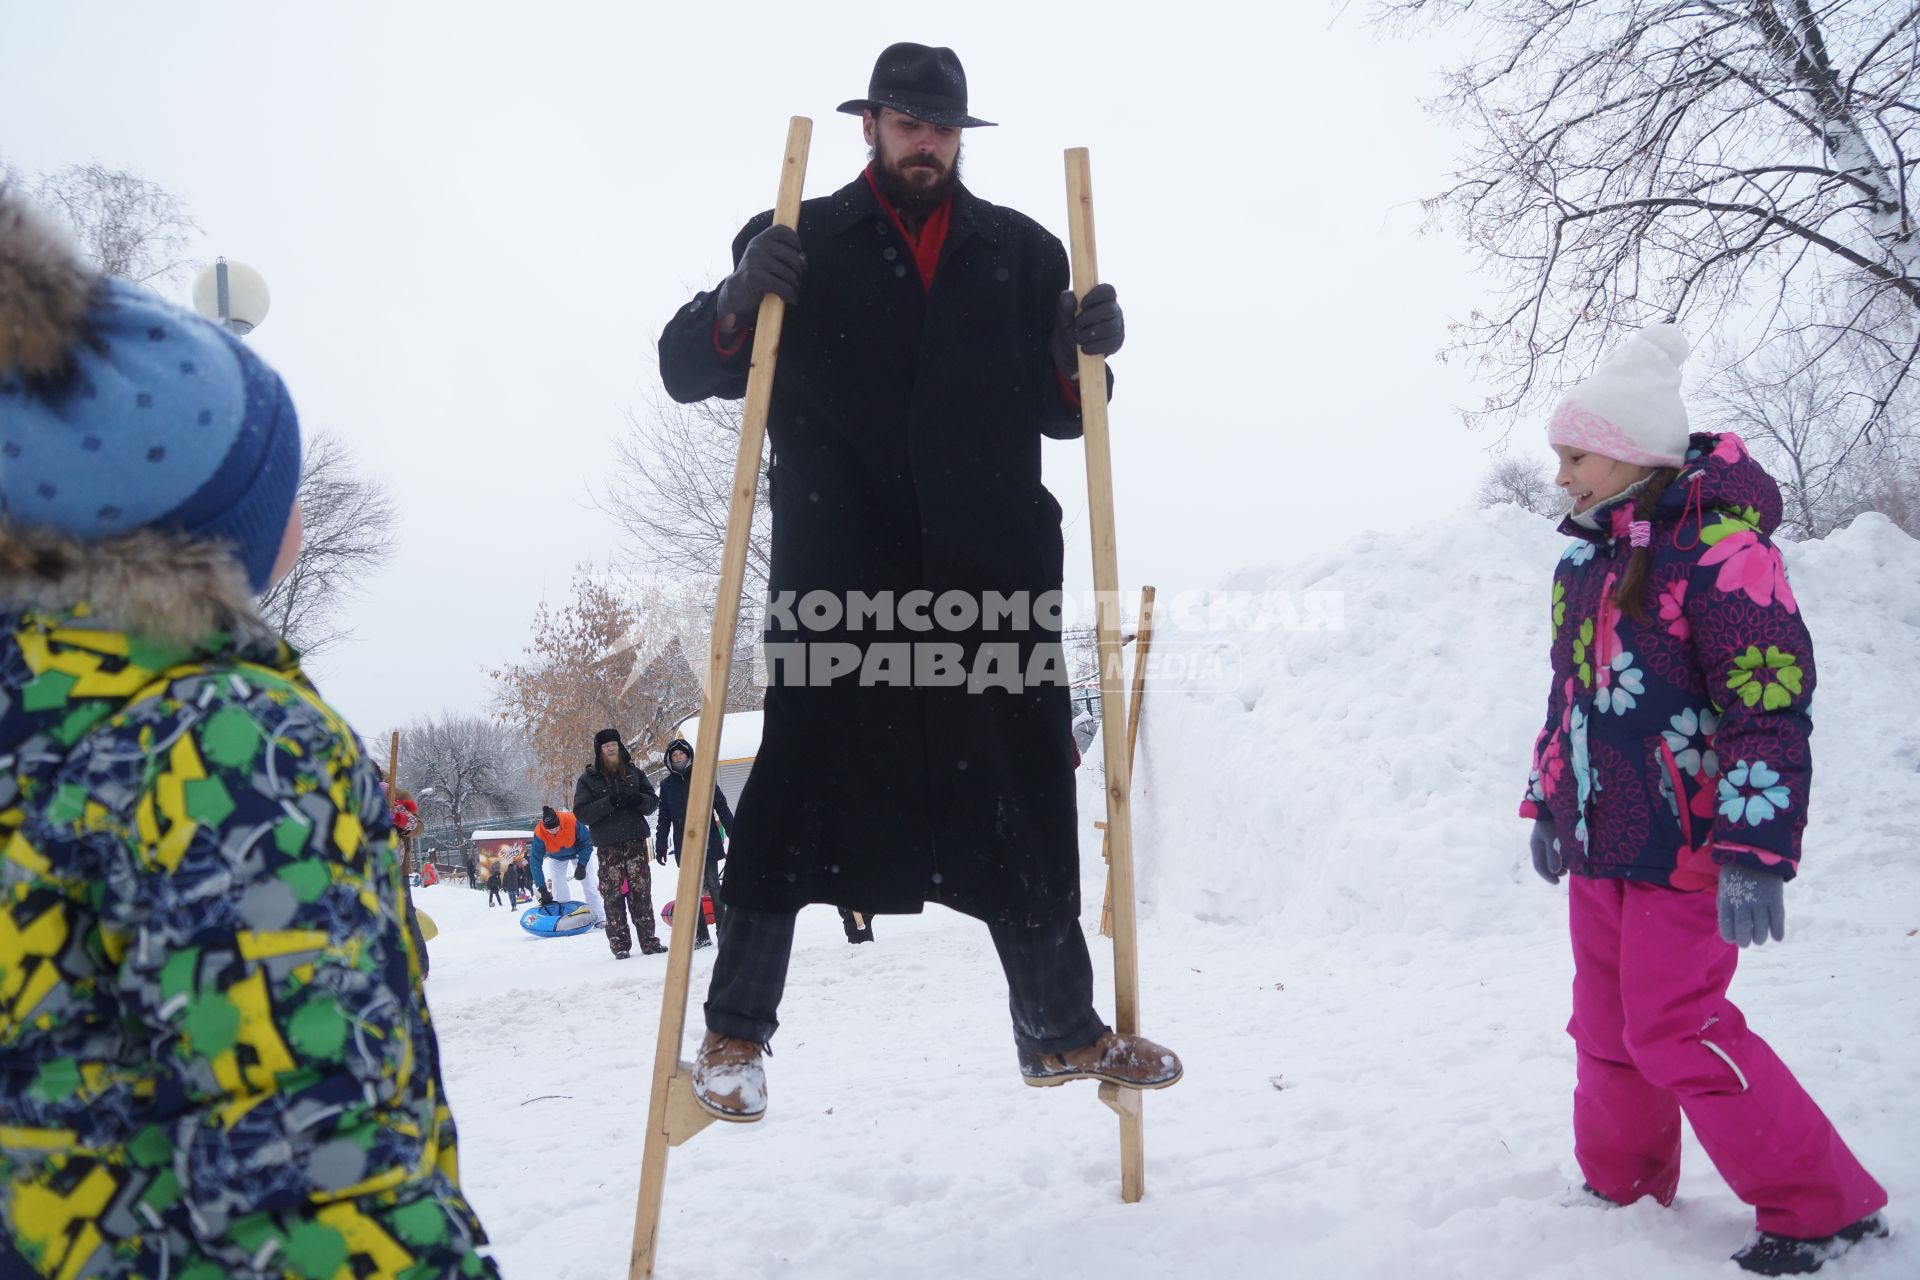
[
  {"x": 502, "y": 835},
  {"x": 739, "y": 734}
]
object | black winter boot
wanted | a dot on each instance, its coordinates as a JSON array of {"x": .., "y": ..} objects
[{"x": 1773, "y": 1255}]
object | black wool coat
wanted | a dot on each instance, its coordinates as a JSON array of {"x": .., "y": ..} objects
[
  {"x": 615, "y": 808},
  {"x": 675, "y": 790},
  {"x": 906, "y": 425}
]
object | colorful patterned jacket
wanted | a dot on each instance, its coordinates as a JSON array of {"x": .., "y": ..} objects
[
  {"x": 1679, "y": 744},
  {"x": 215, "y": 1057}
]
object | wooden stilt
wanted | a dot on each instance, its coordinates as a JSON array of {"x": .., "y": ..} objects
[
  {"x": 672, "y": 1114},
  {"x": 1145, "y": 637},
  {"x": 1106, "y": 902},
  {"x": 1106, "y": 586},
  {"x": 393, "y": 782}
]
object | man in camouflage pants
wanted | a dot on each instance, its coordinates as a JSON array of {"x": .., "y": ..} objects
[{"x": 614, "y": 798}]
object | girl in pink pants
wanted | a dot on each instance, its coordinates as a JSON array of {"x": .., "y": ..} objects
[{"x": 1670, "y": 779}]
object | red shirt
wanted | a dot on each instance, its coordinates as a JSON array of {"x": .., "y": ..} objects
[{"x": 933, "y": 233}]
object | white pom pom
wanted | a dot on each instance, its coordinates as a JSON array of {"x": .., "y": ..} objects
[{"x": 1670, "y": 341}]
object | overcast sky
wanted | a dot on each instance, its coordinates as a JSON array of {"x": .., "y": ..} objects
[{"x": 475, "y": 219}]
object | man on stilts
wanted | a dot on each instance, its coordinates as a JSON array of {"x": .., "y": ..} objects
[{"x": 917, "y": 743}]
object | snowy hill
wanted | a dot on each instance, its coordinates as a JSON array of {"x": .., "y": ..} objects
[
  {"x": 1341, "y": 936},
  {"x": 1369, "y": 776}
]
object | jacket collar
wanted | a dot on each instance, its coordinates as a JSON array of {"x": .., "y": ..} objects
[
  {"x": 170, "y": 588},
  {"x": 853, "y": 205},
  {"x": 1720, "y": 480},
  {"x": 87, "y": 627}
]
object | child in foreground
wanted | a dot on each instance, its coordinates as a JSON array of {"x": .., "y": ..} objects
[{"x": 1670, "y": 782}]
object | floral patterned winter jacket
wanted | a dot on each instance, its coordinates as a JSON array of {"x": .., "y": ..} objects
[
  {"x": 1679, "y": 744},
  {"x": 215, "y": 1060}
]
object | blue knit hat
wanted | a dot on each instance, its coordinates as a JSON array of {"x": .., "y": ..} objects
[{"x": 154, "y": 418}]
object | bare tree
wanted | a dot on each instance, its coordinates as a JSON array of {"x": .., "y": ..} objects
[
  {"x": 1897, "y": 496},
  {"x": 1526, "y": 484},
  {"x": 462, "y": 768},
  {"x": 1805, "y": 417},
  {"x": 672, "y": 487},
  {"x": 608, "y": 658},
  {"x": 1732, "y": 164},
  {"x": 127, "y": 225},
  {"x": 350, "y": 519}
]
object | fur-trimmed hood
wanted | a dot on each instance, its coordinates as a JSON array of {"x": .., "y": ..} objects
[
  {"x": 173, "y": 588},
  {"x": 45, "y": 291}
]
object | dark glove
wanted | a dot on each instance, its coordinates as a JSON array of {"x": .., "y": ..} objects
[
  {"x": 579, "y": 871},
  {"x": 1547, "y": 859},
  {"x": 1752, "y": 905},
  {"x": 660, "y": 856},
  {"x": 546, "y": 896},
  {"x": 1097, "y": 329},
  {"x": 772, "y": 263}
]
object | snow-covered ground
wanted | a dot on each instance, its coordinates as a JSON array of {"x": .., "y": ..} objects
[{"x": 1340, "y": 935}]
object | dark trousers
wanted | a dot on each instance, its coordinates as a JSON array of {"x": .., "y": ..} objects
[
  {"x": 493, "y": 894},
  {"x": 1049, "y": 980},
  {"x": 858, "y": 929},
  {"x": 710, "y": 885}
]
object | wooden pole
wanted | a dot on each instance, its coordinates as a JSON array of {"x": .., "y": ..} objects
[
  {"x": 672, "y": 1114},
  {"x": 1143, "y": 643},
  {"x": 393, "y": 785},
  {"x": 1106, "y": 587}
]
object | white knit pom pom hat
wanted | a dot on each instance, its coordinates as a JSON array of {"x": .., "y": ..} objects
[{"x": 1629, "y": 408}]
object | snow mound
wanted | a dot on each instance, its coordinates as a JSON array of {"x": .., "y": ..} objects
[{"x": 1367, "y": 777}]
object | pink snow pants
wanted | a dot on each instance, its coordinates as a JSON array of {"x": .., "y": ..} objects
[{"x": 1657, "y": 1037}]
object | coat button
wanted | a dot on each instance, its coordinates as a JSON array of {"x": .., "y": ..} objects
[
  {"x": 900, "y": 271},
  {"x": 890, "y": 253}
]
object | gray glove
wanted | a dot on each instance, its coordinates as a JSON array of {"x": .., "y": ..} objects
[
  {"x": 1096, "y": 327},
  {"x": 1547, "y": 860},
  {"x": 771, "y": 263},
  {"x": 1752, "y": 905}
]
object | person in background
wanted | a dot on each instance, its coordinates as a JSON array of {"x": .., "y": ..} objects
[
  {"x": 614, "y": 798},
  {"x": 562, "y": 853},
  {"x": 494, "y": 878},
  {"x": 1085, "y": 726},
  {"x": 675, "y": 789},
  {"x": 215, "y": 1053},
  {"x": 406, "y": 820}
]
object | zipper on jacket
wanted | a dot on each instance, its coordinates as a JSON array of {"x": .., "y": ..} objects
[
  {"x": 1679, "y": 794},
  {"x": 1603, "y": 628}
]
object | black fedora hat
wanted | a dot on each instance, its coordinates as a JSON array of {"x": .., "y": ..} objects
[{"x": 925, "y": 83}]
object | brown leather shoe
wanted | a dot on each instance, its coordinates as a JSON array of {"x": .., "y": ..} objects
[
  {"x": 1133, "y": 1061},
  {"x": 728, "y": 1079}
]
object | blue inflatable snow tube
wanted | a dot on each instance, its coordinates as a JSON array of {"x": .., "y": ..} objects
[{"x": 557, "y": 920}]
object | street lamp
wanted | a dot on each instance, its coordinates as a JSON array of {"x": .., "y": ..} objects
[{"x": 232, "y": 295}]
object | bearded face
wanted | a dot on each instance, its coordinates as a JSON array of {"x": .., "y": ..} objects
[{"x": 916, "y": 164}]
